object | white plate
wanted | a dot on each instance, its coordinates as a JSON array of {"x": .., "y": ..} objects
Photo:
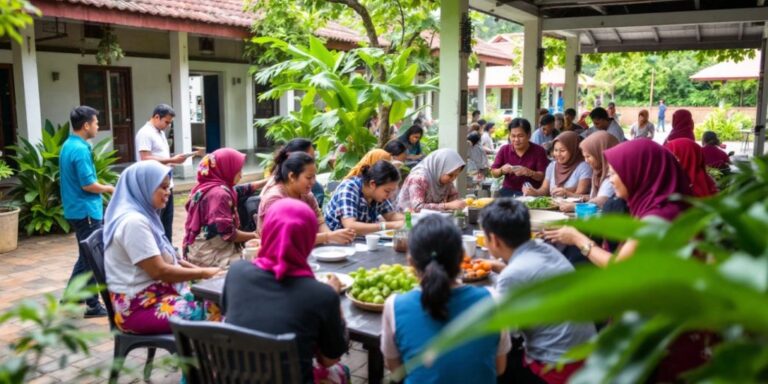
[
  {"x": 346, "y": 280},
  {"x": 388, "y": 234},
  {"x": 331, "y": 254},
  {"x": 540, "y": 218}
]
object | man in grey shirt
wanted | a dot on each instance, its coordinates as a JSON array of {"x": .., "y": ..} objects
[
  {"x": 601, "y": 121},
  {"x": 507, "y": 227}
]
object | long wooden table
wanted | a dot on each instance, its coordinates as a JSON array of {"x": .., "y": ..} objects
[{"x": 363, "y": 326}]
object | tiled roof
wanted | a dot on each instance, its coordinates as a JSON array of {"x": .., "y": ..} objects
[
  {"x": 217, "y": 12},
  {"x": 729, "y": 70},
  {"x": 509, "y": 77},
  {"x": 485, "y": 51}
]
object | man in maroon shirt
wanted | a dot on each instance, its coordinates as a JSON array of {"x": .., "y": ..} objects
[{"x": 520, "y": 161}]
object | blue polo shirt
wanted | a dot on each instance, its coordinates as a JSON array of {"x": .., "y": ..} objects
[{"x": 77, "y": 171}]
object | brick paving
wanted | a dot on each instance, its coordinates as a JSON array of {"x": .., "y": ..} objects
[{"x": 42, "y": 265}]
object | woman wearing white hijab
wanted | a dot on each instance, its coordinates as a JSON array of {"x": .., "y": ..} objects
[{"x": 430, "y": 184}]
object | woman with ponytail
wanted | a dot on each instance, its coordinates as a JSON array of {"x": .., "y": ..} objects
[
  {"x": 412, "y": 319},
  {"x": 295, "y": 145}
]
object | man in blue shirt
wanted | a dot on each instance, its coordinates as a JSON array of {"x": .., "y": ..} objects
[
  {"x": 507, "y": 226},
  {"x": 662, "y": 113},
  {"x": 81, "y": 191}
]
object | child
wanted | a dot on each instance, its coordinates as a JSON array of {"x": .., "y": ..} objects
[{"x": 477, "y": 160}]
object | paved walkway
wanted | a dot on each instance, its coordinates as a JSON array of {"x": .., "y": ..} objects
[{"x": 42, "y": 265}]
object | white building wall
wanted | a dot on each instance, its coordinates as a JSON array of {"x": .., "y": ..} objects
[{"x": 150, "y": 86}]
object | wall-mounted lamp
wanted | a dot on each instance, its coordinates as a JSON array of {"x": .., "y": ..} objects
[
  {"x": 207, "y": 47},
  {"x": 236, "y": 80},
  {"x": 55, "y": 76}
]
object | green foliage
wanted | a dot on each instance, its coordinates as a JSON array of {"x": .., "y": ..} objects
[
  {"x": 658, "y": 293},
  {"x": 338, "y": 99},
  {"x": 726, "y": 123},
  {"x": 54, "y": 328},
  {"x": 108, "y": 49},
  {"x": 39, "y": 193},
  {"x": 15, "y": 15}
]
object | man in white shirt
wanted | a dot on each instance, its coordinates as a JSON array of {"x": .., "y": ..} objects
[{"x": 152, "y": 144}]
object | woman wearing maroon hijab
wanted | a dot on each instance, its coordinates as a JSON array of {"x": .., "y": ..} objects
[
  {"x": 689, "y": 154},
  {"x": 645, "y": 175},
  {"x": 682, "y": 126}
]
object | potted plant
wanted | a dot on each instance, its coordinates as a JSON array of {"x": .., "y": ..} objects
[{"x": 9, "y": 216}]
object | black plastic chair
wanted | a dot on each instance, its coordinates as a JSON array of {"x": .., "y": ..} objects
[
  {"x": 93, "y": 249},
  {"x": 225, "y": 353}
]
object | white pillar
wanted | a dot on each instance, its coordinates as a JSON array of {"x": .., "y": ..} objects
[
  {"x": 249, "y": 105},
  {"x": 481, "y": 89},
  {"x": 182, "y": 142},
  {"x": 515, "y": 101},
  {"x": 454, "y": 92},
  {"x": 762, "y": 99},
  {"x": 28, "y": 114},
  {"x": 428, "y": 105},
  {"x": 286, "y": 103},
  {"x": 571, "y": 89},
  {"x": 548, "y": 97},
  {"x": 531, "y": 70}
]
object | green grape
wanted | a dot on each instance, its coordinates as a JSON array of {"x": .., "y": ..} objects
[{"x": 378, "y": 300}]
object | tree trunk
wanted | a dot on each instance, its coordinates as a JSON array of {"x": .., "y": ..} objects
[{"x": 384, "y": 125}]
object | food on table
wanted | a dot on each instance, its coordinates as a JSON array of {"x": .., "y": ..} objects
[
  {"x": 474, "y": 269},
  {"x": 480, "y": 239},
  {"x": 478, "y": 203},
  {"x": 375, "y": 285},
  {"x": 543, "y": 202}
]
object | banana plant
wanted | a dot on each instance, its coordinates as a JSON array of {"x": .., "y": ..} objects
[{"x": 340, "y": 96}]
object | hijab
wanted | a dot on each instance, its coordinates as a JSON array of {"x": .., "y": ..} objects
[
  {"x": 433, "y": 166},
  {"x": 651, "y": 175},
  {"x": 133, "y": 194},
  {"x": 290, "y": 228},
  {"x": 570, "y": 140},
  {"x": 682, "y": 125},
  {"x": 595, "y": 144},
  {"x": 690, "y": 156},
  {"x": 216, "y": 170},
  {"x": 369, "y": 159}
]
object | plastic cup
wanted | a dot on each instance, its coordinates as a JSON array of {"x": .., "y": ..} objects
[
  {"x": 372, "y": 241},
  {"x": 470, "y": 244},
  {"x": 585, "y": 210}
]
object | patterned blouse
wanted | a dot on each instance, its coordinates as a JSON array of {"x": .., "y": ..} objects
[
  {"x": 413, "y": 195},
  {"x": 220, "y": 212},
  {"x": 348, "y": 202}
]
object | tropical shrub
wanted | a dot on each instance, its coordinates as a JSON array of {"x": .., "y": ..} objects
[
  {"x": 726, "y": 123},
  {"x": 340, "y": 96},
  {"x": 664, "y": 290},
  {"x": 38, "y": 192}
]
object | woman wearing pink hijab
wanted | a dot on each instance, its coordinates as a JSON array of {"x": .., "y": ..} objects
[
  {"x": 682, "y": 126},
  {"x": 277, "y": 293},
  {"x": 212, "y": 237}
]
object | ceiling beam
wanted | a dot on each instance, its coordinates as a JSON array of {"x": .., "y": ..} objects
[
  {"x": 698, "y": 33},
  {"x": 618, "y": 36},
  {"x": 660, "y": 18},
  {"x": 697, "y": 4},
  {"x": 741, "y": 30},
  {"x": 516, "y": 11},
  {"x": 656, "y": 35},
  {"x": 590, "y": 37},
  {"x": 760, "y": 3},
  {"x": 749, "y": 42}
]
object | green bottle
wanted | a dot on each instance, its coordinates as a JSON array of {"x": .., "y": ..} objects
[{"x": 408, "y": 224}]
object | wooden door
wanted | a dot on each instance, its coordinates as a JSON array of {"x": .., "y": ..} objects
[{"x": 108, "y": 89}]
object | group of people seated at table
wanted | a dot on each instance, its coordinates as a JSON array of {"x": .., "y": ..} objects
[{"x": 149, "y": 279}]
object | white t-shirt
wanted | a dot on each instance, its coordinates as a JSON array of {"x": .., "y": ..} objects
[
  {"x": 486, "y": 141},
  {"x": 153, "y": 140},
  {"x": 606, "y": 189},
  {"x": 582, "y": 171},
  {"x": 133, "y": 242}
]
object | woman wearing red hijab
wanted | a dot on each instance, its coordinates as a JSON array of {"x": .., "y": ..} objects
[
  {"x": 689, "y": 154},
  {"x": 212, "y": 237},
  {"x": 277, "y": 293},
  {"x": 645, "y": 175},
  {"x": 682, "y": 126}
]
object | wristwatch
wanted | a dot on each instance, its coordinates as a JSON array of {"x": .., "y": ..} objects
[{"x": 586, "y": 248}]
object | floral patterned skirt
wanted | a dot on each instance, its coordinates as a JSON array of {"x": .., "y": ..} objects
[{"x": 149, "y": 311}]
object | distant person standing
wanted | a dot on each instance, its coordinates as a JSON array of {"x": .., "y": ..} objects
[
  {"x": 662, "y": 115},
  {"x": 152, "y": 144},
  {"x": 81, "y": 191},
  {"x": 613, "y": 114},
  {"x": 643, "y": 128}
]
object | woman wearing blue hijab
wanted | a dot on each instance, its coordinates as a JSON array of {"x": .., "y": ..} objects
[{"x": 147, "y": 281}]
